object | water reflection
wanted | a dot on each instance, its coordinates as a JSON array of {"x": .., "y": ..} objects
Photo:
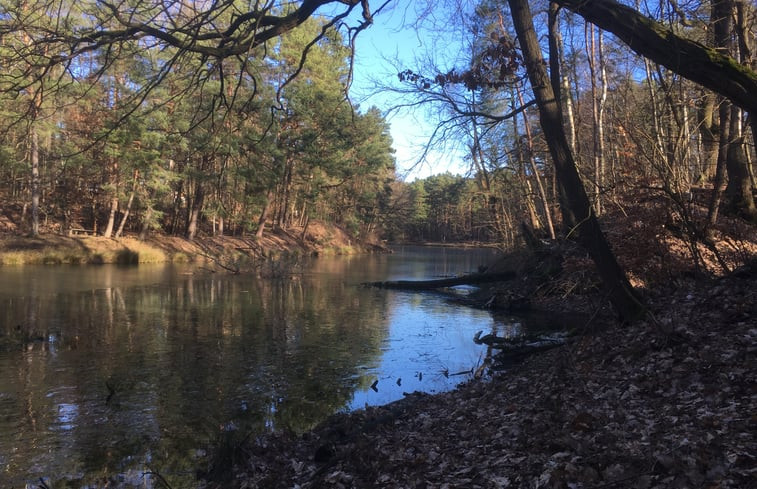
[{"x": 108, "y": 372}]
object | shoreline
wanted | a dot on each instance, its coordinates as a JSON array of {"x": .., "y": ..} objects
[
  {"x": 667, "y": 402},
  {"x": 224, "y": 251},
  {"x": 57, "y": 249}
]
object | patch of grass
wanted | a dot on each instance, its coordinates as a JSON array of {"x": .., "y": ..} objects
[
  {"x": 180, "y": 257},
  {"x": 95, "y": 252},
  {"x": 52, "y": 259},
  {"x": 12, "y": 258},
  {"x": 338, "y": 250},
  {"x": 43, "y": 256},
  {"x": 135, "y": 251},
  {"x": 152, "y": 255},
  {"x": 75, "y": 259},
  {"x": 127, "y": 257}
]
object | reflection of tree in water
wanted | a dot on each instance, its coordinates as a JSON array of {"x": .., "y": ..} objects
[
  {"x": 320, "y": 334},
  {"x": 165, "y": 370}
]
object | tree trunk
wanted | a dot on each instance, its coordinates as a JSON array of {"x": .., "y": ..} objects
[
  {"x": 111, "y": 217},
  {"x": 747, "y": 41},
  {"x": 720, "y": 170},
  {"x": 305, "y": 227},
  {"x": 619, "y": 290},
  {"x": 739, "y": 190},
  {"x": 535, "y": 170},
  {"x": 740, "y": 200},
  {"x": 127, "y": 211},
  {"x": 282, "y": 215},
  {"x": 472, "y": 279},
  {"x": 563, "y": 97},
  {"x": 145, "y": 224},
  {"x": 114, "y": 179},
  {"x": 590, "y": 42},
  {"x": 34, "y": 157},
  {"x": 194, "y": 211},
  {"x": 560, "y": 85},
  {"x": 263, "y": 216},
  {"x": 599, "y": 101},
  {"x": 707, "y": 134}
]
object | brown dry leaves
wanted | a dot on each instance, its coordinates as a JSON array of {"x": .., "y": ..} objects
[{"x": 666, "y": 403}]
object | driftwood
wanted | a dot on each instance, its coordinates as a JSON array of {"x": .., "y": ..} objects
[
  {"x": 471, "y": 279},
  {"x": 514, "y": 349}
]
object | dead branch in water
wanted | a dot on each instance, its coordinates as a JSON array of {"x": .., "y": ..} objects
[{"x": 472, "y": 279}]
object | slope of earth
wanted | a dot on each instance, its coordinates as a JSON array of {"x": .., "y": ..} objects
[{"x": 235, "y": 254}]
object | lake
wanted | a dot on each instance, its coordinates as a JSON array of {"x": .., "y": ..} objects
[{"x": 109, "y": 373}]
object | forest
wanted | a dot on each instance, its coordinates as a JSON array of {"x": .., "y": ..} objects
[
  {"x": 609, "y": 145},
  {"x": 206, "y": 151},
  {"x": 189, "y": 119}
]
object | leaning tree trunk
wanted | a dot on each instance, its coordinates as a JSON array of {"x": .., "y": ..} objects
[
  {"x": 560, "y": 85},
  {"x": 127, "y": 211},
  {"x": 264, "y": 216},
  {"x": 535, "y": 171},
  {"x": 624, "y": 299}
]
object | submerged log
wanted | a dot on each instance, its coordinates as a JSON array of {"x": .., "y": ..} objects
[{"x": 472, "y": 279}]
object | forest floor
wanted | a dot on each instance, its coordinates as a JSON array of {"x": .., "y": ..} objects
[{"x": 666, "y": 402}]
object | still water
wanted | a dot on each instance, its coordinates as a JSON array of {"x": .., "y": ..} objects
[{"x": 109, "y": 373}]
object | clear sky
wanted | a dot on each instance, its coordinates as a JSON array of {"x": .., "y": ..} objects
[{"x": 391, "y": 44}]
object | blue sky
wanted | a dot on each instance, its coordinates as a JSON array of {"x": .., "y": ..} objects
[{"x": 392, "y": 38}]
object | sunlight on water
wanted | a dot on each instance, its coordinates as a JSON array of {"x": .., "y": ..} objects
[{"x": 108, "y": 372}]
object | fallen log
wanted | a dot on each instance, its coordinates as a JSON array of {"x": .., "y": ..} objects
[
  {"x": 515, "y": 349},
  {"x": 471, "y": 279}
]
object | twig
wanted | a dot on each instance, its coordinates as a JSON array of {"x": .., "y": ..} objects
[{"x": 160, "y": 478}]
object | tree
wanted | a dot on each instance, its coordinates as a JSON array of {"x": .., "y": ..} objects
[
  {"x": 577, "y": 205},
  {"x": 195, "y": 35}
]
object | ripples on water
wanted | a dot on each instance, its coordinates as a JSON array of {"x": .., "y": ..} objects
[{"x": 109, "y": 373}]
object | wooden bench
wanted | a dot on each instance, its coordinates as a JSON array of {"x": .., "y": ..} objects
[{"x": 81, "y": 232}]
